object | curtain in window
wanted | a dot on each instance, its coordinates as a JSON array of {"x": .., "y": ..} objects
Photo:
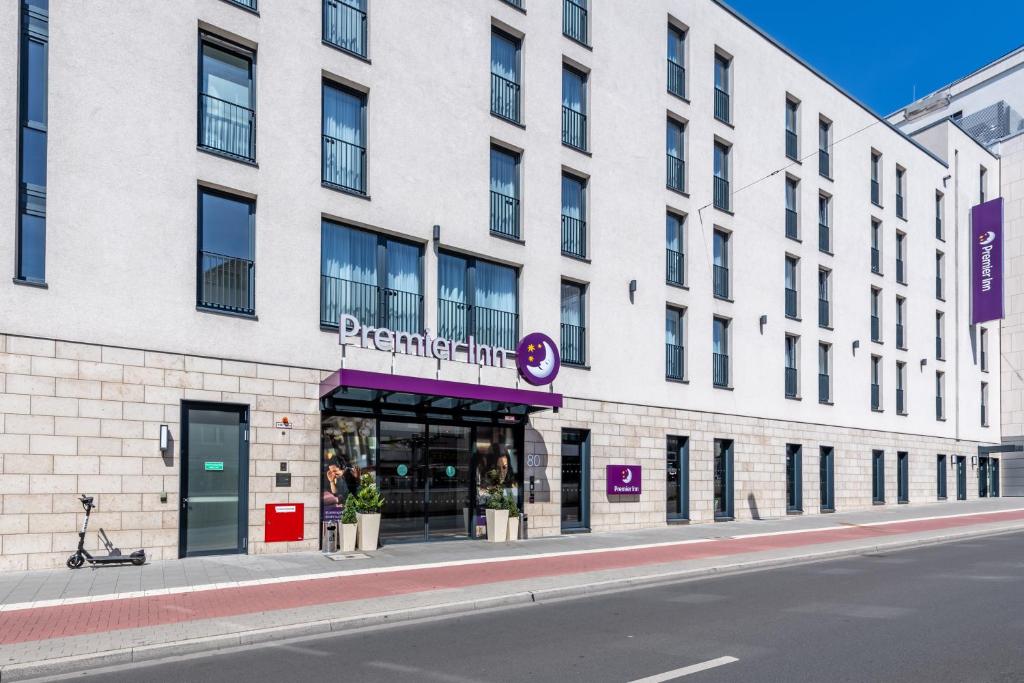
[
  {"x": 674, "y": 139},
  {"x": 348, "y": 270},
  {"x": 572, "y": 304},
  {"x": 504, "y": 57},
  {"x": 721, "y": 250},
  {"x": 673, "y": 328},
  {"x": 823, "y": 285},
  {"x": 822, "y": 359},
  {"x": 673, "y": 233},
  {"x": 790, "y": 274},
  {"x": 495, "y": 304},
  {"x": 451, "y": 288},
  {"x": 791, "y": 117},
  {"x": 573, "y": 90},
  {"x": 720, "y": 341},
  {"x": 823, "y": 210},
  {"x": 504, "y": 173},
  {"x": 403, "y": 283},
  {"x": 721, "y": 73},
  {"x": 823, "y": 136},
  {"x": 790, "y": 195},
  {"x": 346, "y": 140},
  {"x": 572, "y": 198},
  {"x": 721, "y": 162},
  {"x": 790, "y": 352},
  {"x": 675, "y": 46},
  {"x": 226, "y": 76},
  {"x": 226, "y": 101}
]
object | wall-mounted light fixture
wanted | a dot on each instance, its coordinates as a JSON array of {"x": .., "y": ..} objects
[
  {"x": 632, "y": 290},
  {"x": 974, "y": 461},
  {"x": 856, "y": 345},
  {"x": 165, "y": 438},
  {"x": 762, "y": 321},
  {"x": 924, "y": 362},
  {"x": 437, "y": 233}
]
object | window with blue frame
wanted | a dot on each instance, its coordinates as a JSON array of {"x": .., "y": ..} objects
[
  {"x": 226, "y": 277},
  {"x": 32, "y": 86},
  {"x": 504, "y": 192},
  {"x": 675, "y": 154},
  {"x": 574, "y": 216},
  {"x": 345, "y": 25},
  {"x": 675, "y": 249},
  {"x": 675, "y": 345},
  {"x": 574, "y": 20},
  {"x": 574, "y": 324},
  {"x": 477, "y": 298},
  {"x": 227, "y": 117},
  {"x": 344, "y": 138},
  {"x": 677, "y": 61},
  {"x": 505, "y": 76},
  {"x": 574, "y": 108},
  {"x": 375, "y": 278}
]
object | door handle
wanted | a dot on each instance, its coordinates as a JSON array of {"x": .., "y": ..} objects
[{"x": 184, "y": 503}]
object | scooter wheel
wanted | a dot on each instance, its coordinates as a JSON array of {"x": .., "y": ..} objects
[
  {"x": 75, "y": 561},
  {"x": 139, "y": 561}
]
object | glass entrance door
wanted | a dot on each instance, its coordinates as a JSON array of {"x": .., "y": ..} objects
[
  {"x": 826, "y": 481},
  {"x": 961, "y": 477},
  {"x": 575, "y": 479},
  {"x": 983, "y": 477},
  {"x": 723, "y": 479},
  {"x": 993, "y": 471},
  {"x": 448, "y": 504}
]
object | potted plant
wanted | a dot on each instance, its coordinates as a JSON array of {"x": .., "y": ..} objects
[
  {"x": 368, "y": 505},
  {"x": 497, "y": 517},
  {"x": 513, "y": 516},
  {"x": 349, "y": 525}
]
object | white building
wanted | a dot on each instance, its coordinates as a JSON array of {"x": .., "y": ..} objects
[{"x": 739, "y": 262}]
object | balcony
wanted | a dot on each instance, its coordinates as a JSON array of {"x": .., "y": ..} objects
[
  {"x": 720, "y": 369},
  {"x": 984, "y": 415},
  {"x": 675, "y": 173},
  {"x": 938, "y": 288},
  {"x": 574, "y": 20},
  {"x": 674, "y": 362},
  {"x": 876, "y": 260},
  {"x": 722, "y": 105},
  {"x": 824, "y": 388},
  {"x": 940, "y": 413},
  {"x": 227, "y": 128},
  {"x": 226, "y": 283},
  {"x": 791, "y": 383},
  {"x": 721, "y": 193},
  {"x": 900, "y": 275},
  {"x": 824, "y": 313},
  {"x": 824, "y": 238},
  {"x": 574, "y": 344},
  {"x": 791, "y": 224},
  {"x": 504, "y": 98},
  {"x": 984, "y": 360},
  {"x": 504, "y": 215},
  {"x": 901, "y": 343},
  {"x": 720, "y": 277},
  {"x": 899, "y": 206},
  {"x": 876, "y": 192},
  {"x": 574, "y": 127},
  {"x": 248, "y": 4},
  {"x": 676, "y": 79},
  {"x": 791, "y": 303},
  {"x": 938, "y": 227},
  {"x": 458, "y": 320},
  {"x": 791, "y": 144},
  {"x": 876, "y": 328},
  {"x": 876, "y": 397},
  {"x": 824, "y": 163},
  {"x": 574, "y": 236},
  {"x": 939, "y": 349},
  {"x": 344, "y": 165},
  {"x": 675, "y": 268},
  {"x": 901, "y": 408},
  {"x": 372, "y": 305},
  {"x": 345, "y": 26}
]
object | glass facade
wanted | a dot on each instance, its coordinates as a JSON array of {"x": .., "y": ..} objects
[{"x": 33, "y": 119}]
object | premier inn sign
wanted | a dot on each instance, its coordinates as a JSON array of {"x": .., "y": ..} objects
[{"x": 383, "y": 339}]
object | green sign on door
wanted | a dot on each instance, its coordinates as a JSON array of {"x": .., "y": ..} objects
[{"x": 213, "y": 466}]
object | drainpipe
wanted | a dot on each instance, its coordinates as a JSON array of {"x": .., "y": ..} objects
[{"x": 956, "y": 288}]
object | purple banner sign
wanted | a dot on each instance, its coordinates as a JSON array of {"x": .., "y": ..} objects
[
  {"x": 624, "y": 480},
  {"x": 987, "y": 261}
]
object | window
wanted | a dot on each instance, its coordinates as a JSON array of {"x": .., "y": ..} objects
[
  {"x": 574, "y": 216},
  {"x": 939, "y": 234},
  {"x": 345, "y": 25},
  {"x": 982, "y": 185},
  {"x": 505, "y": 84},
  {"x": 824, "y": 372},
  {"x": 504, "y": 192},
  {"x": 574, "y": 324},
  {"x": 377, "y": 279},
  {"x": 984, "y": 404},
  {"x": 344, "y": 135},
  {"x": 794, "y": 478},
  {"x": 226, "y": 269},
  {"x": 940, "y": 267},
  {"x": 227, "y": 120},
  {"x": 248, "y": 4},
  {"x": 876, "y": 382},
  {"x": 902, "y": 477},
  {"x": 876, "y": 314},
  {"x": 878, "y": 477},
  {"x": 901, "y": 179},
  {"x": 574, "y": 20},
  {"x": 723, "y": 87},
  {"x": 677, "y": 61},
  {"x": 901, "y": 385},
  {"x": 675, "y": 249},
  {"x": 675, "y": 343},
  {"x": 575, "y": 476},
  {"x": 825, "y": 223},
  {"x": 478, "y": 298},
  {"x": 675, "y": 152},
  {"x": 824, "y": 297},
  {"x": 792, "y": 280},
  {"x": 720, "y": 265},
  {"x": 940, "y": 323},
  {"x": 677, "y": 474},
  {"x": 792, "y": 376},
  {"x": 32, "y": 118},
  {"x": 901, "y": 328},
  {"x": 901, "y": 251},
  {"x": 720, "y": 352},
  {"x": 574, "y": 107},
  {"x": 940, "y": 390},
  {"x": 723, "y": 479},
  {"x": 824, "y": 147},
  {"x": 876, "y": 178},
  {"x": 826, "y": 478},
  {"x": 792, "y": 208},
  {"x": 792, "y": 135},
  {"x": 983, "y": 348},
  {"x": 940, "y": 477},
  {"x": 721, "y": 179},
  {"x": 876, "y": 246}
]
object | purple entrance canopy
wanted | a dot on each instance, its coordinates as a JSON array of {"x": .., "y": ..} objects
[{"x": 382, "y": 381}]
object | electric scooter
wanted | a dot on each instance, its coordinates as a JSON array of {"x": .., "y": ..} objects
[{"x": 113, "y": 556}]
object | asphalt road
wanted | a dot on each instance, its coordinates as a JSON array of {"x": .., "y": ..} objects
[{"x": 953, "y": 612}]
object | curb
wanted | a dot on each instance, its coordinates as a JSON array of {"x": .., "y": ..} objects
[{"x": 191, "y": 646}]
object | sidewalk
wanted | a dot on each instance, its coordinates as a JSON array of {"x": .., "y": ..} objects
[{"x": 59, "y": 621}]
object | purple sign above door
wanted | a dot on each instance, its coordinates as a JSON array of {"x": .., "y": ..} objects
[
  {"x": 987, "y": 261},
  {"x": 624, "y": 480}
]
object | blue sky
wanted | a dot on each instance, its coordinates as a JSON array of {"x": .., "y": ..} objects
[{"x": 879, "y": 51}]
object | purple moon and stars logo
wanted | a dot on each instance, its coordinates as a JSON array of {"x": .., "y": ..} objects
[
  {"x": 624, "y": 480},
  {"x": 537, "y": 359}
]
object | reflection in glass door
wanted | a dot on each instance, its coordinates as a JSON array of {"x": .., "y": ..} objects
[
  {"x": 826, "y": 474},
  {"x": 575, "y": 479},
  {"x": 447, "y": 481},
  {"x": 961, "y": 477},
  {"x": 983, "y": 477},
  {"x": 794, "y": 478},
  {"x": 677, "y": 478},
  {"x": 723, "y": 479}
]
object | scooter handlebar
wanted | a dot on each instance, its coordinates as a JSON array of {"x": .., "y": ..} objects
[{"x": 86, "y": 502}]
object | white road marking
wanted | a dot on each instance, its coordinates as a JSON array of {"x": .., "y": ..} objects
[{"x": 687, "y": 670}]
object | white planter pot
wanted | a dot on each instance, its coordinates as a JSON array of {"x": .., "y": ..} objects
[
  {"x": 513, "y": 528},
  {"x": 497, "y": 525},
  {"x": 348, "y": 537},
  {"x": 369, "y": 530}
]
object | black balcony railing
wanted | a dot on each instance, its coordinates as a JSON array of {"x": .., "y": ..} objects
[
  {"x": 574, "y": 127},
  {"x": 720, "y": 275},
  {"x": 372, "y": 305},
  {"x": 345, "y": 26},
  {"x": 876, "y": 397},
  {"x": 721, "y": 193},
  {"x": 901, "y": 343},
  {"x": 876, "y": 328},
  {"x": 227, "y": 127},
  {"x": 939, "y": 412},
  {"x": 824, "y": 313},
  {"x": 824, "y": 390},
  {"x": 676, "y": 78},
  {"x": 899, "y": 205},
  {"x": 791, "y": 388},
  {"x": 900, "y": 275},
  {"x": 574, "y": 344},
  {"x": 938, "y": 227},
  {"x": 791, "y": 308},
  {"x": 249, "y": 4},
  {"x": 824, "y": 238},
  {"x": 791, "y": 144},
  {"x": 504, "y": 98},
  {"x": 875, "y": 192},
  {"x": 675, "y": 267},
  {"x": 791, "y": 224},
  {"x": 504, "y": 215},
  {"x": 227, "y": 283},
  {"x": 938, "y": 287},
  {"x": 938, "y": 348},
  {"x": 720, "y": 369},
  {"x": 876, "y": 260},
  {"x": 574, "y": 20},
  {"x": 344, "y": 165},
  {"x": 675, "y": 173},
  {"x": 824, "y": 163},
  {"x": 458, "y": 320},
  {"x": 674, "y": 362},
  {"x": 721, "y": 105},
  {"x": 984, "y": 415},
  {"x": 901, "y": 407},
  {"x": 574, "y": 236}
]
